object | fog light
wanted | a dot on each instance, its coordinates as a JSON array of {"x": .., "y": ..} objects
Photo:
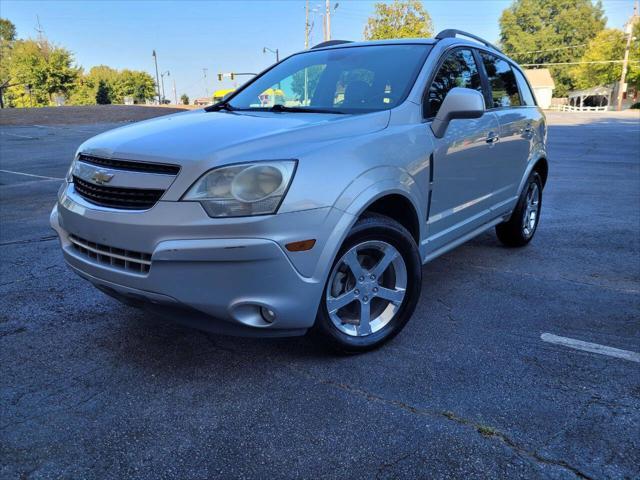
[{"x": 268, "y": 315}]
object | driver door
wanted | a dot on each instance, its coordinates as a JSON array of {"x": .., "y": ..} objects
[{"x": 462, "y": 165}]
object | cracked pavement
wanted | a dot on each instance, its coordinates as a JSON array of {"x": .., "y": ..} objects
[{"x": 94, "y": 389}]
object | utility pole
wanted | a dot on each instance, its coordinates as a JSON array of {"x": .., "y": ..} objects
[
  {"x": 155, "y": 58},
  {"x": 39, "y": 30},
  {"x": 629, "y": 31},
  {"x": 327, "y": 16},
  {"x": 306, "y": 25},
  {"x": 175, "y": 94},
  {"x": 162, "y": 75},
  {"x": 305, "y": 101},
  {"x": 204, "y": 79},
  {"x": 324, "y": 28}
]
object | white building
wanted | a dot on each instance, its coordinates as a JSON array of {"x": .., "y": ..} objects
[{"x": 542, "y": 84}]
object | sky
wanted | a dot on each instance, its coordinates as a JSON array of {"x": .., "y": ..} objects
[{"x": 222, "y": 36}]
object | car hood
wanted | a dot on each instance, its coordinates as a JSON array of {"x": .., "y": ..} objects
[{"x": 218, "y": 137}]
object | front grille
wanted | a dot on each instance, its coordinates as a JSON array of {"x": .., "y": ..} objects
[
  {"x": 136, "y": 262},
  {"x": 131, "y": 166},
  {"x": 117, "y": 197}
]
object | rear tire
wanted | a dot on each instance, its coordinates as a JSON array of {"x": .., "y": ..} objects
[
  {"x": 521, "y": 227},
  {"x": 373, "y": 286}
]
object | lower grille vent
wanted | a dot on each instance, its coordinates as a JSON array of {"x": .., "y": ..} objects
[{"x": 136, "y": 262}]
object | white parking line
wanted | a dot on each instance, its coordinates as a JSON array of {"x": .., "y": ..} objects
[
  {"x": 591, "y": 347},
  {"x": 64, "y": 128},
  {"x": 32, "y": 175},
  {"x": 17, "y": 135}
]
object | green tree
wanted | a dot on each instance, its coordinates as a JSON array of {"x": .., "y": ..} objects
[
  {"x": 400, "y": 19},
  {"x": 103, "y": 94},
  {"x": 538, "y": 31},
  {"x": 37, "y": 71},
  {"x": 119, "y": 84},
  {"x": 103, "y": 72},
  {"x": 608, "y": 45},
  {"x": 84, "y": 92},
  {"x": 7, "y": 38},
  {"x": 7, "y": 30},
  {"x": 133, "y": 83},
  {"x": 184, "y": 98}
]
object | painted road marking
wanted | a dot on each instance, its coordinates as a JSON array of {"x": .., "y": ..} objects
[
  {"x": 17, "y": 135},
  {"x": 591, "y": 347},
  {"x": 64, "y": 128},
  {"x": 32, "y": 175}
]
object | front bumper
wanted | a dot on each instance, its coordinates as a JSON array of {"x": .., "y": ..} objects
[{"x": 214, "y": 274}]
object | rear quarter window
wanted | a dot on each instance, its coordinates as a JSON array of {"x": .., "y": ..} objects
[{"x": 525, "y": 91}]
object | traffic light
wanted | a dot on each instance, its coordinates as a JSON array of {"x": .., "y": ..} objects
[
  {"x": 219, "y": 77},
  {"x": 232, "y": 76}
]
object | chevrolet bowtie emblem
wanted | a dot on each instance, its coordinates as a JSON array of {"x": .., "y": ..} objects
[{"x": 101, "y": 177}]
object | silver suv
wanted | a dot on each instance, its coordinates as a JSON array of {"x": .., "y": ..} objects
[{"x": 311, "y": 197}]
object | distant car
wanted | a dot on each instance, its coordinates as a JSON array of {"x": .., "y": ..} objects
[{"x": 316, "y": 210}]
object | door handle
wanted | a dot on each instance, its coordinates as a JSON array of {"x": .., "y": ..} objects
[{"x": 492, "y": 138}]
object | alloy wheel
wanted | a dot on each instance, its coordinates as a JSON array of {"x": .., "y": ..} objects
[
  {"x": 366, "y": 288},
  {"x": 531, "y": 210}
]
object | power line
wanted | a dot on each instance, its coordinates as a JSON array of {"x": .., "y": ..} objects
[
  {"x": 561, "y": 48},
  {"x": 552, "y": 49},
  {"x": 576, "y": 63}
]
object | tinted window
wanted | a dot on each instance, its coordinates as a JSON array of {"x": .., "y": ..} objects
[
  {"x": 525, "y": 91},
  {"x": 458, "y": 70},
  {"x": 344, "y": 80},
  {"x": 502, "y": 80}
]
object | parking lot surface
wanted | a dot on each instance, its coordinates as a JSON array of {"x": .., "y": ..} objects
[{"x": 470, "y": 389}]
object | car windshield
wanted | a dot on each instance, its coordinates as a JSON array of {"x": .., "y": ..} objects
[{"x": 340, "y": 80}]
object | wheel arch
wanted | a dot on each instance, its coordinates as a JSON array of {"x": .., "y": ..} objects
[
  {"x": 541, "y": 166},
  {"x": 383, "y": 194},
  {"x": 399, "y": 208}
]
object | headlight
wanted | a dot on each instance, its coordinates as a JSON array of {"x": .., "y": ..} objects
[{"x": 243, "y": 190}]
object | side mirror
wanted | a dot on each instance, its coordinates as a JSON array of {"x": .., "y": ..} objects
[{"x": 459, "y": 103}]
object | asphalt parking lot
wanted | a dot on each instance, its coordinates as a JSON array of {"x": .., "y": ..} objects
[{"x": 93, "y": 389}]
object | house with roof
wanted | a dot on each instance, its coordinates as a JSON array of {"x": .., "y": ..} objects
[{"x": 542, "y": 84}]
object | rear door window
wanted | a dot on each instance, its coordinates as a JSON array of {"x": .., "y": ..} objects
[
  {"x": 459, "y": 69},
  {"x": 525, "y": 91},
  {"x": 504, "y": 88}
]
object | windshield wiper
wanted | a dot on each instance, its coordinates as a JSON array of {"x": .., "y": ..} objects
[
  {"x": 216, "y": 107},
  {"x": 283, "y": 108}
]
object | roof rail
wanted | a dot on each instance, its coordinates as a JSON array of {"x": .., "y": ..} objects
[
  {"x": 330, "y": 43},
  {"x": 452, "y": 33}
]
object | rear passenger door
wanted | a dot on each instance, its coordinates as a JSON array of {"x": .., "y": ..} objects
[
  {"x": 516, "y": 129},
  {"x": 462, "y": 173}
]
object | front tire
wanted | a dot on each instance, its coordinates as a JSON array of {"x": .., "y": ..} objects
[
  {"x": 520, "y": 228},
  {"x": 373, "y": 287}
]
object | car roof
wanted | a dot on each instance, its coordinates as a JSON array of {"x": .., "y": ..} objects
[
  {"x": 449, "y": 40},
  {"x": 397, "y": 41},
  {"x": 450, "y": 36}
]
